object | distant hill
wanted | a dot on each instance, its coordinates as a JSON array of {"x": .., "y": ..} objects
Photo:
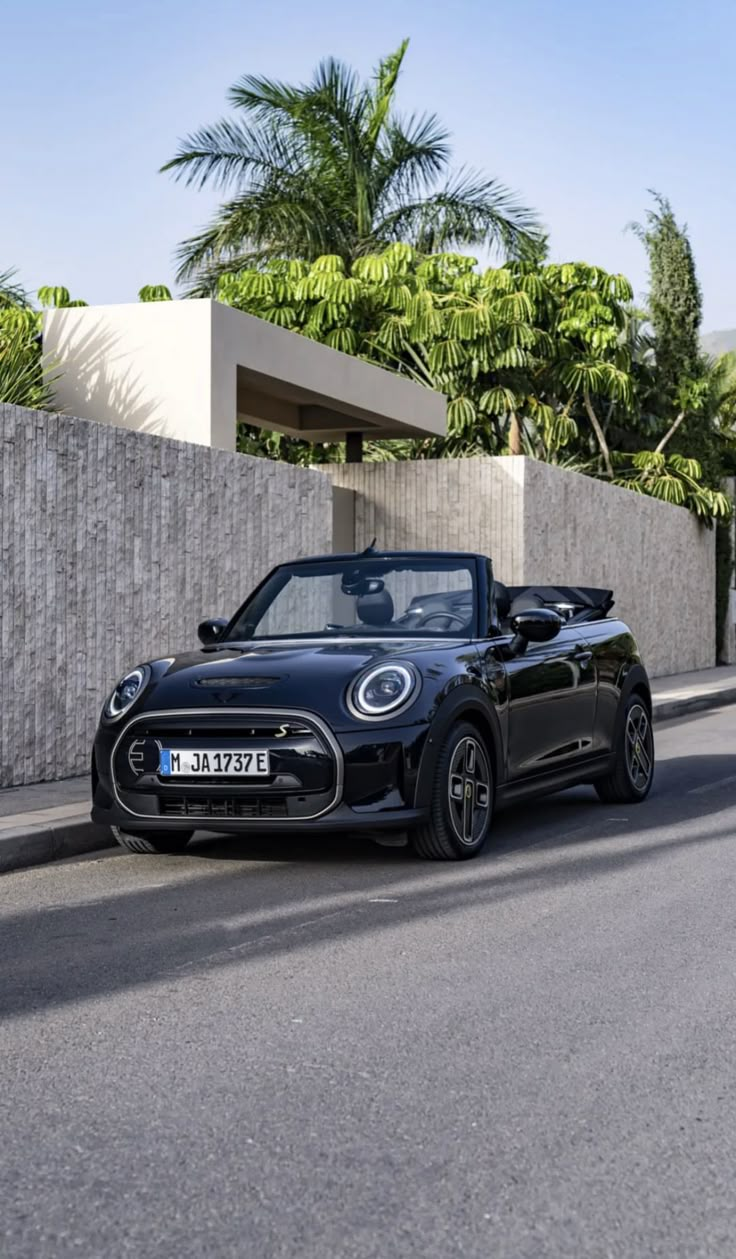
[{"x": 716, "y": 343}]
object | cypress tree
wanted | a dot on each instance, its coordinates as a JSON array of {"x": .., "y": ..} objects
[
  {"x": 675, "y": 299},
  {"x": 675, "y": 313}
]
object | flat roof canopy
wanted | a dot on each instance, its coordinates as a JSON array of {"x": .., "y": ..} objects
[
  {"x": 293, "y": 384},
  {"x": 191, "y": 369}
]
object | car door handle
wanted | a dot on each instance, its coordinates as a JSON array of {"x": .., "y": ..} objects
[{"x": 583, "y": 657}]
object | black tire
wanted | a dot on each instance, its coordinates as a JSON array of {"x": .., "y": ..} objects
[
  {"x": 462, "y": 799},
  {"x": 145, "y": 842},
  {"x": 633, "y": 772}
]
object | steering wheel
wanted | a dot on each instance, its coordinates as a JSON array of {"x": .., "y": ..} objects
[{"x": 447, "y": 617}]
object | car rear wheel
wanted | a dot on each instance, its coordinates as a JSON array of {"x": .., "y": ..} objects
[
  {"x": 633, "y": 771},
  {"x": 462, "y": 799},
  {"x": 152, "y": 841}
]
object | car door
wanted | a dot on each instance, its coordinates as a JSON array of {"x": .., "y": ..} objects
[{"x": 551, "y": 690}]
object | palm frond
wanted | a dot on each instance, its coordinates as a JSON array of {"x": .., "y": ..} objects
[
  {"x": 412, "y": 155},
  {"x": 25, "y": 380},
  {"x": 329, "y": 166},
  {"x": 258, "y": 225},
  {"x": 12, "y": 293},
  {"x": 381, "y": 99},
  {"x": 469, "y": 210},
  {"x": 266, "y": 99},
  {"x": 230, "y": 151}
]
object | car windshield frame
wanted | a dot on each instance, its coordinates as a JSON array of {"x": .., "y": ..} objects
[{"x": 264, "y": 595}]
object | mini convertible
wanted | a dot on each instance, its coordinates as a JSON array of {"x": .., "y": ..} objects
[{"x": 397, "y": 689}]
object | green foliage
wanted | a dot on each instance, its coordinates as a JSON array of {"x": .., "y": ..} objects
[
  {"x": 154, "y": 293},
  {"x": 26, "y": 377},
  {"x": 12, "y": 294},
  {"x": 524, "y": 347},
  {"x": 546, "y": 359},
  {"x": 57, "y": 297},
  {"x": 22, "y": 381},
  {"x": 330, "y": 169},
  {"x": 21, "y": 376},
  {"x": 684, "y": 384},
  {"x": 675, "y": 301},
  {"x": 673, "y": 479}
]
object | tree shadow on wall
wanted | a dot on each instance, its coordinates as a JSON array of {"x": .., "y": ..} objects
[{"x": 105, "y": 392}]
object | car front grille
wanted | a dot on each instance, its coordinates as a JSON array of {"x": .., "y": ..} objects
[
  {"x": 306, "y": 766},
  {"x": 213, "y": 807}
]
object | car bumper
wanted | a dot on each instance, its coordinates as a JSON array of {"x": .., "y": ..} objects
[
  {"x": 357, "y": 780},
  {"x": 342, "y": 818}
]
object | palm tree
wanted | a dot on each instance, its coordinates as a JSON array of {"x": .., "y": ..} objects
[
  {"x": 12, "y": 294},
  {"x": 330, "y": 168}
]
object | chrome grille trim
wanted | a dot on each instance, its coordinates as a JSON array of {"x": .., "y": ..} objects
[{"x": 283, "y": 714}]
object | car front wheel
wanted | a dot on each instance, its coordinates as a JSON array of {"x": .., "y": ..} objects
[
  {"x": 462, "y": 799},
  {"x": 633, "y": 769},
  {"x": 152, "y": 841}
]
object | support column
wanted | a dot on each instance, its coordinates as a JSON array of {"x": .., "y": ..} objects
[{"x": 353, "y": 447}]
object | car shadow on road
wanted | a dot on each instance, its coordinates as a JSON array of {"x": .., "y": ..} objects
[
  {"x": 682, "y": 789},
  {"x": 232, "y": 903}
]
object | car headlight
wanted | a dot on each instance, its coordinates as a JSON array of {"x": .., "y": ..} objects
[
  {"x": 383, "y": 690},
  {"x": 126, "y": 692}
]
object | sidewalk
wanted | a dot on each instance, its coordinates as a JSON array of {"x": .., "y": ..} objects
[
  {"x": 48, "y": 821},
  {"x": 689, "y": 692}
]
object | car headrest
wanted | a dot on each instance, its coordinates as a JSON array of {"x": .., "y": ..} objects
[
  {"x": 502, "y": 599},
  {"x": 377, "y": 609}
]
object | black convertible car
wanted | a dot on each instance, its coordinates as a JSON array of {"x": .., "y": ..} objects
[{"x": 387, "y": 689}]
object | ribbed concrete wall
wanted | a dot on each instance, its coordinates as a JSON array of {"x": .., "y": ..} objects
[
  {"x": 541, "y": 524},
  {"x": 440, "y": 504},
  {"x": 728, "y": 654},
  {"x": 658, "y": 560},
  {"x": 114, "y": 545}
]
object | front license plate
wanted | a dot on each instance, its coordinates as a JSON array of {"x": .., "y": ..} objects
[{"x": 194, "y": 762}]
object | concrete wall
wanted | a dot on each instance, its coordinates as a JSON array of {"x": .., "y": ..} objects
[
  {"x": 113, "y": 546},
  {"x": 541, "y": 524},
  {"x": 450, "y": 504},
  {"x": 189, "y": 370},
  {"x": 728, "y": 653},
  {"x": 145, "y": 366},
  {"x": 657, "y": 559}
]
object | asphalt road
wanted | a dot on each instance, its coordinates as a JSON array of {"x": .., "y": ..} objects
[{"x": 331, "y": 1052}]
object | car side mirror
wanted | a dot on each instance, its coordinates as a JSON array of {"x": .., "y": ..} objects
[
  {"x": 210, "y": 630},
  {"x": 535, "y": 625}
]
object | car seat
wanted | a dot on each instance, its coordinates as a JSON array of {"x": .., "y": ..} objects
[{"x": 375, "y": 609}]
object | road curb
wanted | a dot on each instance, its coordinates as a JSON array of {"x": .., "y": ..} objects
[
  {"x": 682, "y": 706},
  {"x": 51, "y": 841}
]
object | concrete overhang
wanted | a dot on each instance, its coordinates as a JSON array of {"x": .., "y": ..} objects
[{"x": 191, "y": 369}]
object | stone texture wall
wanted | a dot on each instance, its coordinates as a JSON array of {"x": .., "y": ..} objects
[
  {"x": 113, "y": 546},
  {"x": 440, "y": 504},
  {"x": 542, "y": 524},
  {"x": 658, "y": 560},
  {"x": 728, "y": 653}
]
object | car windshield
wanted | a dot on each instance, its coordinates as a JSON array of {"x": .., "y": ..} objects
[{"x": 425, "y": 596}]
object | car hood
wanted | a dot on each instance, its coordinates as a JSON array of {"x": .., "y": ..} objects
[{"x": 304, "y": 674}]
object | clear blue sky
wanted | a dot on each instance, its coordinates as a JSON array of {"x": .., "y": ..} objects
[{"x": 580, "y": 105}]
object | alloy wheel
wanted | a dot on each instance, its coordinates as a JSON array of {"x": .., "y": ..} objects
[
  {"x": 469, "y": 791},
  {"x": 639, "y": 755}
]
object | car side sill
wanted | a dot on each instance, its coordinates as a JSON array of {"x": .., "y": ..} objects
[{"x": 557, "y": 780}]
